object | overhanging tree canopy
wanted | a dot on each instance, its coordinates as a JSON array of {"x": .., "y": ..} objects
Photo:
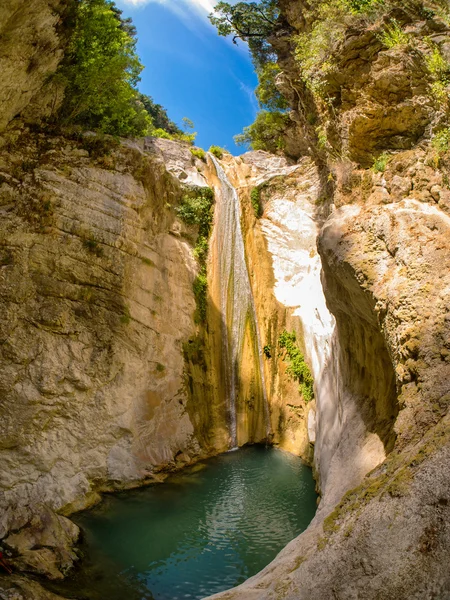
[{"x": 252, "y": 22}]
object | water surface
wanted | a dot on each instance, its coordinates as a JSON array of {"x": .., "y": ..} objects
[{"x": 200, "y": 532}]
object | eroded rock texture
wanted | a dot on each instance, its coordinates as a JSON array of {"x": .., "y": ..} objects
[
  {"x": 96, "y": 288},
  {"x": 382, "y": 433},
  {"x": 33, "y": 36}
]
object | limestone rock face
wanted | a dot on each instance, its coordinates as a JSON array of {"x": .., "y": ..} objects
[
  {"x": 33, "y": 41},
  {"x": 382, "y": 434},
  {"x": 370, "y": 97},
  {"x": 285, "y": 268},
  {"x": 96, "y": 291},
  {"x": 22, "y": 588},
  {"x": 45, "y": 544},
  {"x": 381, "y": 423}
]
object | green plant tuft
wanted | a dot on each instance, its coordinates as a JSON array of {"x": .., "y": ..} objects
[
  {"x": 267, "y": 351},
  {"x": 217, "y": 151},
  {"x": 380, "y": 163},
  {"x": 93, "y": 246},
  {"x": 439, "y": 69},
  {"x": 147, "y": 261},
  {"x": 199, "y": 153},
  {"x": 125, "y": 317},
  {"x": 196, "y": 209},
  {"x": 297, "y": 369},
  {"x": 200, "y": 288},
  {"x": 255, "y": 197},
  {"x": 441, "y": 141},
  {"x": 393, "y": 35}
]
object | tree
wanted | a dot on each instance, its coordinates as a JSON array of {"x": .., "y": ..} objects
[
  {"x": 252, "y": 22},
  {"x": 267, "y": 93},
  {"x": 187, "y": 124},
  {"x": 266, "y": 133},
  {"x": 159, "y": 115},
  {"x": 101, "y": 71}
]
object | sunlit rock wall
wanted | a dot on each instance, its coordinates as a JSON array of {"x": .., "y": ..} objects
[
  {"x": 97, "y": 301},
  {"x": 34, "y": 34}
]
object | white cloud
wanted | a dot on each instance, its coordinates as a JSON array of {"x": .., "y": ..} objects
[
  {"x": 189, "y": 11},
  {"x": 250, "y": 93},
  {"x": 201, "y": 7}
]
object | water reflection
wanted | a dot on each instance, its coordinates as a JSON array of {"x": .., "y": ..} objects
[{"x": 198, "y": 533}]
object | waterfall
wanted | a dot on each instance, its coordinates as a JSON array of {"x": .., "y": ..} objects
[{"x": 236, "y": 298}]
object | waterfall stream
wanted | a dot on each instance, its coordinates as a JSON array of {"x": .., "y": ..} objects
[{"x": 236, "y": 298}]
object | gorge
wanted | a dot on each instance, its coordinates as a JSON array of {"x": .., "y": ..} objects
[{"x": 132, "y": 345}]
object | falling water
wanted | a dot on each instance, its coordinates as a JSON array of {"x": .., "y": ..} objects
[{"x": 236, "y": 298}]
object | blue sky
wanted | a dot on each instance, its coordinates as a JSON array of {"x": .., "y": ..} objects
[{"x": 192, "y": 71}]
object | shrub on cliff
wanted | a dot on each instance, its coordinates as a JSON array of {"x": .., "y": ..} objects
[
  {"x": 217, "y": 151},
  {"x": 297, "y": 369},
  {"x": 197, "y": 209},
  {"x": 255, "y": 198}
]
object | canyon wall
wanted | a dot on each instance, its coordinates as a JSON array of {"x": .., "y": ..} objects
[
  {"x": 97, "y": 302},
  {"x": 107, "y": 381},
  {"x": 382, "y": 433},
  {"x": 34, "y": 34}
]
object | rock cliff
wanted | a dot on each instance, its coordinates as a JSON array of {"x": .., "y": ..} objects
[
  {"x": 97, "y": 301},
  {"x": 382, "y": 431},
  {"x": 107, "y": 381}
]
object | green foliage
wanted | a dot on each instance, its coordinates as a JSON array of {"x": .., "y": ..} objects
[
  {"x": 380, "y": 163},
  {"x": 255, "y": 197},
  {"x": 92, "y": 245},
  {"x": 201, "y": 249},
  {"x": 159, "y": 116},
  {"x": 393, "y": 35},
  {"x": 125, "y": 317},
  {"x": 363, "y": 6},
  {"x": 268, "y": 96},
  {"x": 182, "y": 137},
  {"x": 193, "y": 351},
  {"x": 252, "y": 22},
  {"x": 196, "y": 209},
  {"x": 266, "y": 133},
  {"x": 187, "y": 123},
  {"x": 187, "y": 137},
  {"x": 217, "y": 151},
  {"x": 322, "y": 138},
  {"x": 439, "y": 69},
  {"x": 162, "y": 133},
  {"x": 200, "y": 288},
  {"x": 441, "y": 141},
  {"x": 437, "y": 65},
  {"x": 199, "y": 153},
  {"x": 148, "y": 261},
  {"x": 314, "y": 48},
  {"x": 298, "y": 369},
  {"x": 255, "y": 22},
  {"x": 160, "y": 368},
  {"x": 267, "y": 351},
  {"x": 100, "y": 73}
]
